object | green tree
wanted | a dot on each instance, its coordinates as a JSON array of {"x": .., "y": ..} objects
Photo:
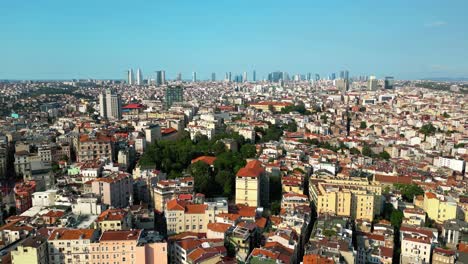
[
  {"x": 427, "y": 129},
  {"x": 291, "y": 126},
  {"x": 363, "y": 125},
  {"x": 248, "y": 151},
  {"x": 396, "y": 218},
  {"x": 446, "y": 115},
  {"x": 354, "y": 151},
  {"x": 275, "y": 207},
  {"x": 366, "y": 151},
  {"x": 409, "y": 191},
  {"x": 384, "y": 155}
]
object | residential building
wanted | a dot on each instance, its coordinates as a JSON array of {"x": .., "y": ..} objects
[
  {"x": 166, "y": 190},
  {"x": 114, "y": 219},
  {"x": 71, "y": 245},
  {"x": 356, "y": 198},
  {"x": 249, "y": 187},
  {"x": 115, "y": 189},
  {"x": 439, "y": 207},
  {"x": 31, "y": 250},
  {"x": 95, "y": 146}
]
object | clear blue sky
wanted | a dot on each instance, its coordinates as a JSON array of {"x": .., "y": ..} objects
[{"x": 60, "y": 39}]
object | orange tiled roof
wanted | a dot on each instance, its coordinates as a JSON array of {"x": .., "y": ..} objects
[
  {"x": 121, "y": 235},
  {"x": 206, "y": 159},
  {"x": 218, "y": 227},
  {"x": 71, "y": 234},
  {"x": 252, "y": 169}
]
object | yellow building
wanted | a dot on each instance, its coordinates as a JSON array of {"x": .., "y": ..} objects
[
  {"x": 265, "y": 106},
  {"x": 114, "y": 219},
  {"x": 355, "y": 198},
  {"x": 439, "y": 208},
  {"x": 183, "y": 216},
  {"x": 248, "y": 186},
  {"x": 31, "y": 250}
]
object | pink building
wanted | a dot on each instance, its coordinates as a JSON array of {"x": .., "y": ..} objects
[
  {"x": 115, "y": 189},
  {"x": 127, "y": 246}
]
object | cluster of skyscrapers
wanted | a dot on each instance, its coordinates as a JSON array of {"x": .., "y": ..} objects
[{"x": 342, "y": 81}]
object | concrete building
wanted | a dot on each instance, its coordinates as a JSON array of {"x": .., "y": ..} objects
[
  {"x": 115, "y": 189},
  {"x": 249, "y": 187},
  {"x": 130, "y": 246},
  {"x": 166, "y": 190},
  {"x": 355, "y": 198},
  {"x": 439, "y": 207},
  {"x": 32, "y": 250},
  {"x": 110, "y": 105},
  {"x": 95, "y": 146},
  {"x": 454, "y": 231},
  {"x": 416, "y": 244},
  {"x": 152, "y": 134},
  {"x": 71, "y": 245}
]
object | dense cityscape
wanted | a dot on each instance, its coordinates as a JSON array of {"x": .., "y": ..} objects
[{"x": 286, "y": 168}]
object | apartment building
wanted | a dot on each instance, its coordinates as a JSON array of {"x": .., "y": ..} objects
[
  {"x": 95, "y": 146},
  {"x": 183, "y": 216},
  {"x": 251, "y": 185},
  {"x": 114, "y": 189},
  {"x": 166, "y": 190},
  {"x": 417, "y": 244},
  {"x": 114, "y": 219},
  {"x": 356, "y": 198},
  {"x": 32, "y": 250},
  {"x": 71, "y": 245},
  {"x": 439, "y": 207}
]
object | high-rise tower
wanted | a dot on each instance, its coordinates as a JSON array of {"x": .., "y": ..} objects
[
  {"x": 139, "y": 79},
  {"x": 130, "y": 77},
  {"x": 110, "y": 105},
  {"x": 194, "y": 76}
]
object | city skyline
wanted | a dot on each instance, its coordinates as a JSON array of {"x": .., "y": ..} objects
[{"x": 409, "y": 40}]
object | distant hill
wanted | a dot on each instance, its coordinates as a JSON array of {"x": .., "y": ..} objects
[{"x": 447, "y": 79}]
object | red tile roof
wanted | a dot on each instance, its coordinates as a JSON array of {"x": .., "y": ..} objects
[
  {"x": 252, "y": 169},
  {"x": 219, "y": 227},
  {"x": 71, "y": 234},
  {"x": 206, "y": 159},
  {"x": 121, "y": 235}
]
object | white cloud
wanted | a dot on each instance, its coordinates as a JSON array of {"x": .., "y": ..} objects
[{"x": 436, "y": 24}]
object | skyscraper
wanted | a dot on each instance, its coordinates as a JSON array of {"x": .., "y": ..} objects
[
  {"x": 160, "y": 77},
  {"x": 373, "y": 83},
  {"x": 174, "y": 94},
  {"x": 110, "y": 105},
  {"x": 130, "y": 77},
  {"x": 244, "y": 77},
  {"x": 254, "y": 76},
  {"x": 229, "y": 77},
  {"x": 179, "y": 76},
  {"x": 139, "y": 80},
  {"x": 194, "y": 76},
  {"x": 388, "y": 84},
  {"x": 213, "y": 77},
  {"x": 317, "y": 77}
]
